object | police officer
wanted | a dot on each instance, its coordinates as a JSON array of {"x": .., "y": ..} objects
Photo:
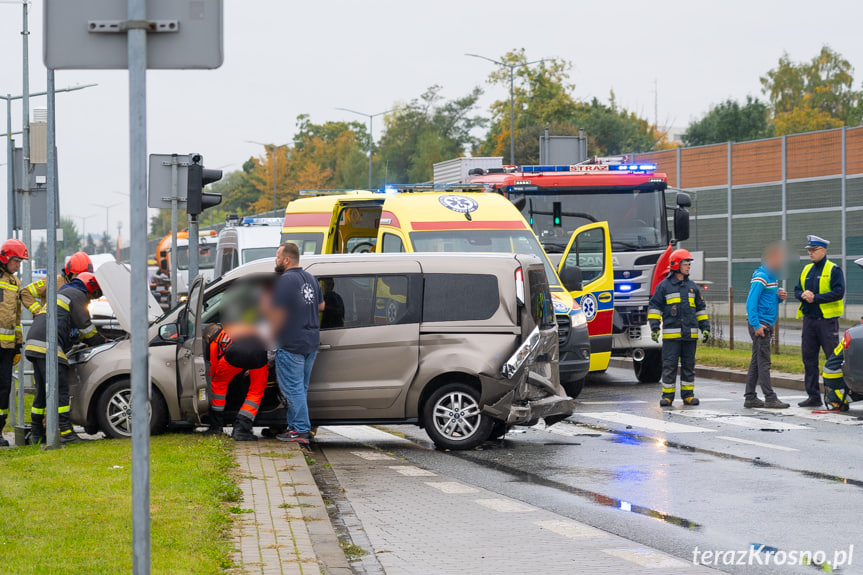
[
  {"x": 33, "y": 294},
  {"x": 12, "y": 253},
  {"x": 73, "y": 318},
  {"x": 678, "y": 304},
  {"x": 820, "y": 290}
]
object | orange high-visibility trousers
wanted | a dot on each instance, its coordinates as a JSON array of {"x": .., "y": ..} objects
[{"x": 222, "y": 373}]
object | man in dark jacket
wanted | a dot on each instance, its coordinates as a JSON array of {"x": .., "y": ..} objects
[
  {"x": 73, "y": 325},
  {"x": 678, "y": 305}
]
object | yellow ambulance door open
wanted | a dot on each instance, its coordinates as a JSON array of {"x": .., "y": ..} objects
[
  {"x": 354, "y": 226},
  {"x": 586, "y": 272}
]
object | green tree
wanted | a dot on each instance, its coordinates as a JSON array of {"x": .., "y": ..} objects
[
  {"x": 426, "y": 130},
  {"x": 730, "y": 122},
  {"x": 813, "y": 95},
  {"x": 71, "y": 240}
]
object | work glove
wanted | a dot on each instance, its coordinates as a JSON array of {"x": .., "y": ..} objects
[
  {"x": 16, "y": 359},
  {"x": 705, "y": 336},
  {"x": 654, "y": 335}
]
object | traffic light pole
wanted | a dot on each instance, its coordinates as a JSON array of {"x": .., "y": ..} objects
[
  {"x": 174, "y": 224},
  {"x": 194, "y": 246}
]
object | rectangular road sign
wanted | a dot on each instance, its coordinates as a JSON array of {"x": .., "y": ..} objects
[
  {"x": 91, "y": 34},
  {"x": 159, "y": 182}
]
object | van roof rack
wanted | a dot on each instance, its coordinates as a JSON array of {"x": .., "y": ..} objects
[{"x": 330, "y": 192}]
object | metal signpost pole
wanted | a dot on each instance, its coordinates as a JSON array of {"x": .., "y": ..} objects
[
  {"x": 10, "y": 183},
  {"x": 25, "y": 138},
  {"x": 52, "y": 431},
  {"x": 174, "y": 224},
  {"x": 137, "y": 51}
]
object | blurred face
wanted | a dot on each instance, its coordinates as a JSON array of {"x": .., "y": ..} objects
[
  {"x": 685, "y": 267},
  {"x": 13, "y": 265},
  {"x": 774, "y": 259},
  {"x": 817, "y": 254}
]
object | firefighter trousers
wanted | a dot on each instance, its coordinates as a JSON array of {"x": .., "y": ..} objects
[
  {"x": 40, "y": 376},
  {"x": 223, "y": 374},
  {"x": 6, "y": 366},
  {"x": 682, "y": 352}
]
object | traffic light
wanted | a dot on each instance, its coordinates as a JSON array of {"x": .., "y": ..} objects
[
  {"x": 196, "y": 199},
  {"x": 556, "y": 210}
]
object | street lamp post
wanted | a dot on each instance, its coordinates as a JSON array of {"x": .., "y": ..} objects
[
  {"x": 84, "y": 225},
  {"x": 371, "y": 118},
  {"x": 107, "y": 209},
  {"x": 512, "y": 68},
  {"x": 272, "y": 149}
]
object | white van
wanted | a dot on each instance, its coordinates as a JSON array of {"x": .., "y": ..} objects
[{"x": 246, "y": 240}]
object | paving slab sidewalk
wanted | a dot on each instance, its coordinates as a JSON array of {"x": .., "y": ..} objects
[{"x": 288, "y": 531}]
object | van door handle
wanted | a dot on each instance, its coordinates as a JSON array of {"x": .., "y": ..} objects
[{"x": 324, "y": 346}]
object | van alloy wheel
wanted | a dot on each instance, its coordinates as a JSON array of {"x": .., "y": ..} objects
[
  {"x": 118, "y": 411},
  {"x": 114, "y": 410},
  {"x": 457, "y": 415}
]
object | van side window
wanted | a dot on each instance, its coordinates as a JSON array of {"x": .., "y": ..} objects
[
  {"x": 460, "y": 297},
  {"x": 392, "y": 244},
  {"x": 363, "y": 301}
]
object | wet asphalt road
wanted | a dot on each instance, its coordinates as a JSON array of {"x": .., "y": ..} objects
[{"x": 717, "y": 477}]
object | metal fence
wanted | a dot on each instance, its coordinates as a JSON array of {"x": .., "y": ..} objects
[{"x": 745, "y": 195}]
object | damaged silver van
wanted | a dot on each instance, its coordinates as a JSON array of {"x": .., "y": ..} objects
[{"x": 462, "y": 345}]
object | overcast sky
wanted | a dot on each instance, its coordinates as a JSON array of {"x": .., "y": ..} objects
[{"x": 284, "y": 58}]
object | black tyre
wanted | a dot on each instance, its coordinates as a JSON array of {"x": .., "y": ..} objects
[
  {"x": 114, "y": 414},
  {"x": 574, "y": 387},
  {"x": 498, "y": 430},
  {"x": 649, "y": 369},
  {"x": 453, "y": 419}
]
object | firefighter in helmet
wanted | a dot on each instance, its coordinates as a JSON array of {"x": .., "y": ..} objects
[
  {"x": 33, "y": 294},
  {"x": 12, "y": 253},
  {"x": 678, "y": 307},
  {"x": 73, "y": 326}
]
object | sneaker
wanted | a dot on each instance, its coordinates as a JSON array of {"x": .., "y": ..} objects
[
  {"x": 775, "y": 404},
  {"x": 665, "y": 402},
  {"x": 691, "y": 401},
  {"x": 754, "y": 402},
  {"x": 295, "y": 437},
  {"x": 272, "y": 432},
  {"x": 811, "y": 402}
]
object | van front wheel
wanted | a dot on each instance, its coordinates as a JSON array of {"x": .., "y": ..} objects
[{"x": 453, "y": 418}]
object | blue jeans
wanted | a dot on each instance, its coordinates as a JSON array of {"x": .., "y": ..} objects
[{"x": 293, "y": 371}]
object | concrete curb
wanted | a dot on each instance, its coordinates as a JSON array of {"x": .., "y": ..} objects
[{"x": 777, "y": 379}]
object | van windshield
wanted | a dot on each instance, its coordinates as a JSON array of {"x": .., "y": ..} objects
[
  {"x": 309, "y": 243},
  {"x": 206, "y": 257},
  {"x": 495, "y": 241},
  {"x": 252, "y": 254}
]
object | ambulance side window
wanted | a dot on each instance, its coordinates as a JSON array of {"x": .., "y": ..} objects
[
  {"x": 588, "y": 253},
  {"x": 392, "y": 244}
]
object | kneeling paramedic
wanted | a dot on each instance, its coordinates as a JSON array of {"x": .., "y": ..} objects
[
  {"x": 73, "y": 318},
  {"x": 233, "y": 350},
  {"x": 678, "y": 304}
]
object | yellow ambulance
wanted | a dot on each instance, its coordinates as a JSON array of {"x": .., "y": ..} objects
[{"x": 458, "y": 220}]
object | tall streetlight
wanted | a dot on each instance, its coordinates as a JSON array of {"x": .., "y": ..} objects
[
  {"x": 512, "y": 68},
  {"x": 84, "y": 224},
  {"x": 107, "y": 209},
  {"x": 371, "y": 118},
  {"x": 272, "y": 149}
]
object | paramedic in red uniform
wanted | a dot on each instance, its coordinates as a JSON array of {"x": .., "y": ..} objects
[{"x": 233, "y": 350}]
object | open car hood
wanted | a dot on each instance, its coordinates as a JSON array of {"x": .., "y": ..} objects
[{"x": 116, "y": 281}]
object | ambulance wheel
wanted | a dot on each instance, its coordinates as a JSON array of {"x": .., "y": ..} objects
[
  {"x": 453, "y": 419},
  {"x": 114, "y": 413},
  {"x": 649, "y": 369}
]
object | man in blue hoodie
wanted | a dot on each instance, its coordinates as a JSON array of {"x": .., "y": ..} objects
[{"x": 762, "y": 309}]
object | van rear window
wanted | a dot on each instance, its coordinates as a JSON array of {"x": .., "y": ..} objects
[{"x": 459, "y": 297}]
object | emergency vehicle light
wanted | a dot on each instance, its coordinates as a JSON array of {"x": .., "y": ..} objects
[
  {"x": 624, "y": 287},
  {"x": 537, "y": 169},
  {"x": 632, "y": 167}
]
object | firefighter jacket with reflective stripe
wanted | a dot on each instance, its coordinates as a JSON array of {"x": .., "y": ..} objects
[
  {"x": 73, "y": 324},
  {"x": 680, "y": 307},
  {"x": 10, "y": 311},
  {"x": 826, "y": 281},
  {"x": 33, "y": 294}
]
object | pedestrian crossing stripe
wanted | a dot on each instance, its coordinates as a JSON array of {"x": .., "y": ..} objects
[
  {"x": 643, "y": 422},
  {"x": 739, "y": 420}
]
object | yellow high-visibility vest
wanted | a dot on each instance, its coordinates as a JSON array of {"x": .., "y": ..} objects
[{"x": 830, "y": 309}]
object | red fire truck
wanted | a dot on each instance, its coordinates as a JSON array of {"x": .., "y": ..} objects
[{"x": 556, "y": 200}]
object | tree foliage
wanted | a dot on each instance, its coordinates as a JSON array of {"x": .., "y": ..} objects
[{"x": 730, "y": 122}]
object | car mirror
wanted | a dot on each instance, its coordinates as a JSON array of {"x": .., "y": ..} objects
[
  {"x": 683, "y": 200},
  {"x": 169, "y": 332},
  {"x": 681, "y": 224},
  {"x": 572, "y": 277}
]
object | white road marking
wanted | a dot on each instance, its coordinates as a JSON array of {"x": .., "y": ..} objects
[
  {"x": 452, "y": 487},
  {"x": 364, "y": 433},
  {"x": 505, "y": 505},
  {"x": 738, "y": 420},
  {"x": 647, "y": 558},
  {"x": 806, "y": 413},
  {"x": 643, "y": 422},
  {"x": 372, "y": 455},
  {"x": 572, "y": 529},
  {"x": 703, "y": 399},
  {"x": 630, "y": 402},
  {"x": 570, "y": 430},
  {"x": 757, "y": 443},
  {"x": 412, "y": 471}
]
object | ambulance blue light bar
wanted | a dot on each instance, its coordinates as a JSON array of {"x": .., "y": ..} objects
[{"x": 643, "y": 168}]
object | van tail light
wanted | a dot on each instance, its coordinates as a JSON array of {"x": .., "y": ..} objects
[
  {"x": 846, "y": 341},
  {"x": 519, "y": 285}
]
